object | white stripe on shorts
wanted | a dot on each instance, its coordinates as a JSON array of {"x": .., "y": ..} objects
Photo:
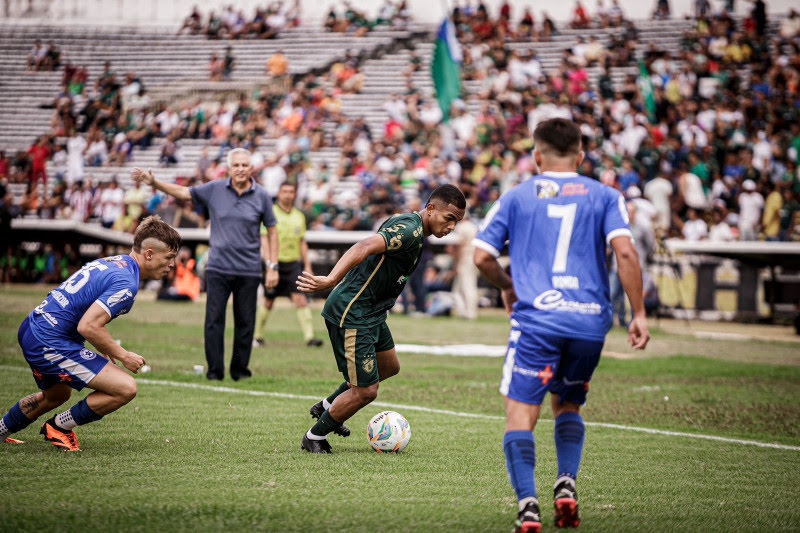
[
  {"x": 511, "y": 358},
  {"x": 508, "y": 370},
  {"x": 71, "y": 367}
]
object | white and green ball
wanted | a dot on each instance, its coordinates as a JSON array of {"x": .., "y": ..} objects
[{"x": 388, "y": 432}]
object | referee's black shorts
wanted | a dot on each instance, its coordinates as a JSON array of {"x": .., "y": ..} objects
[{"x": 287, "y": 280}]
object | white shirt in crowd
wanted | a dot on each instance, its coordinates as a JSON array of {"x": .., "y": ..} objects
[
  {"x": 750, "y": 206},
  {"x": 524, "y": 74},
  {"x": 721, "y": 232},
  {"x": 762, "y": 153},
  {"x": 112, "y": 203},
  {"x": 272, "y": 176},
  {"x": 80, "y": 203},
  {"x": 707, "y": 119},
  {"x": 658, "y": 190},
  {"x": 395, "y": 107},
  {"x": 695, "y": 230},
  {"x": 430, "y": 114},
  {"x": 646, "y": 213},
  {"x": 692, "y": 135},
  {"x": 97, "y": 149},
  {"x": 168, "y": 120},
  {"x": 464, "y": 126},
  {"x": 318, "y": 192},
  {"x": 693, "y": 193},
  {"x": 632, "y": 136},
  {"x": 546, "y": 112}
]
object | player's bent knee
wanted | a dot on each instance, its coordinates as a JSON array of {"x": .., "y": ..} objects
[
  {"x": 366, "y": 395},
  {"x": 128, "y": 391},
  {"x": 559, "y": 408},
  {"x": 51, "y": 398}
]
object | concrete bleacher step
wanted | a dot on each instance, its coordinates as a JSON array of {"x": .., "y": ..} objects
[{"x": 165, "y": 60}]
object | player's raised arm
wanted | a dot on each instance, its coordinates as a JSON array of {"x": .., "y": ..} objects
[{"x": 375, "y": 244}]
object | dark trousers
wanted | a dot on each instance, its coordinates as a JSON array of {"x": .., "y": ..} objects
[
  {"x": 617, "y": 295},
  {"x": 416, "y": 287},
  {"x": 219, "y": 287}
]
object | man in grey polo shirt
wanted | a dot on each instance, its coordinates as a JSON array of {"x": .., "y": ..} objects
[{"x": 237, "y": 207}]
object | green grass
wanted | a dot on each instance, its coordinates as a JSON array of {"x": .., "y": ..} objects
[{"x": 182, "y": 458}]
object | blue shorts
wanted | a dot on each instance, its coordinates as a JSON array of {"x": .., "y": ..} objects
[
  {"x": 67, "y": 362},
  {"x": 538, "y": 363}
]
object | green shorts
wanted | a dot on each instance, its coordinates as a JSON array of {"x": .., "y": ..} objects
[{"x": 355, "y": 351}]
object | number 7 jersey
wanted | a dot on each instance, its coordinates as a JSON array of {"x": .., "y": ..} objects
[{"x": 557, "y": 226}]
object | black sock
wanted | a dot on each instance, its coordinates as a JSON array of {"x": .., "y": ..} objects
[{"x": 326, "y": 424}]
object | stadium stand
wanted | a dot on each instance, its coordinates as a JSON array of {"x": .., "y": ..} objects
[{"x": 341, "y": 91}]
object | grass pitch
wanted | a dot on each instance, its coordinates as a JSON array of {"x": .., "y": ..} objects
[{"x": 188, "y": 455}]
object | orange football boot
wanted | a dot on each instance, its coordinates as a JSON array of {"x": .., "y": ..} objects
[{"x": 66, "y": 440}]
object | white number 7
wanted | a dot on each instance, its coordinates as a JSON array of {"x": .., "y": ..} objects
[{"x": 567, "y": 215}]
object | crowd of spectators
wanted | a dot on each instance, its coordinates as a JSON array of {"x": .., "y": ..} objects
[
  {"x": 357, "y": 23},
  {"x": 94, "y": 124},
  {"x": 704, "y": 144},
  {"x": 44, "y": 58},
  {"x": 232, "y": 23},
  {"x": 711, "y": 155}
]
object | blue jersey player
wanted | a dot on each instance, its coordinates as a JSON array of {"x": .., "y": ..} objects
[
  {"x": 52, "y": 338},
  {"x": 557, "y": 225}
]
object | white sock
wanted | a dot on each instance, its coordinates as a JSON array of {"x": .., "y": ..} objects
[
  {"x": 65, "y": 421},
  {"x": 326, "y": 404},
  {"x": 311, "y": 436},
  {"x": 564, "y": 478},
  {"x": 525, "y": 501}
]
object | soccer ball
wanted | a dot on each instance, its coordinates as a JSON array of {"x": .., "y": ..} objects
[{"x": 388, "y": 432}]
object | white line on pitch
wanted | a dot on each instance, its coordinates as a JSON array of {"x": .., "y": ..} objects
[{"x": 401, "y": 407}]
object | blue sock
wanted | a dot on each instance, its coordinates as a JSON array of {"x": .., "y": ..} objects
[
  {"x": 520, "y": 450},
  {"x": 15, "y": 420},
  {"x": 569, "y": 436},
  {"x": 83, "y": 414}
]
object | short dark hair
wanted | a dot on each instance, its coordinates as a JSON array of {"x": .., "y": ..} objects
[
  {"x": 153, "y": 227},
  {"x": 288, "y": 183},
  {"x": 557, "y": 136},
  {"x": 449, "y": 194}
]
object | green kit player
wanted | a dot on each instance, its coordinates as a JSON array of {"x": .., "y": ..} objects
[{"x": 368, "y": 279}]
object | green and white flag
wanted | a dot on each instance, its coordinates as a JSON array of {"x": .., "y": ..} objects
[
  {"x": 646, "y": 90},
  {"x": 446, "y": 67}
]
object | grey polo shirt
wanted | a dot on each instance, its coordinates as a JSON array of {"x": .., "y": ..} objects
[{"x": 235, "y": 225}]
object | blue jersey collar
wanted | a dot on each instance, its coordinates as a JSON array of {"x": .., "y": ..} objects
[{"x": 552, "y": 174}]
